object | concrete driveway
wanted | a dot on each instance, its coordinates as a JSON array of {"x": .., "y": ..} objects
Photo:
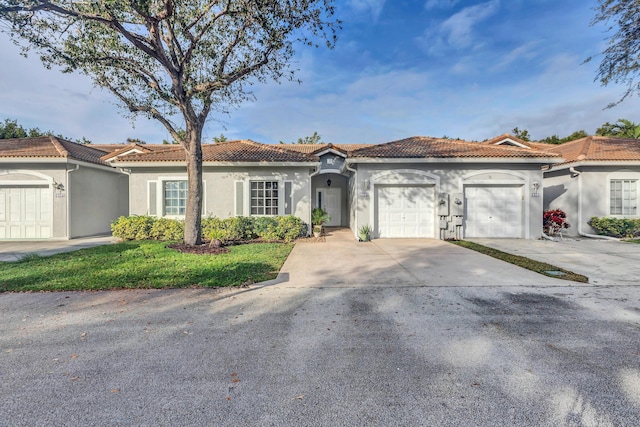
[
  {"x": 413, "y": 333},
  {"x": 605, "y": 262},
  {"x": 342, "y": 261}
]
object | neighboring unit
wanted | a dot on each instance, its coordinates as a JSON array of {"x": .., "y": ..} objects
[
  {"x": 52, "y": 188},
  {"x": 599, "y": 178}
]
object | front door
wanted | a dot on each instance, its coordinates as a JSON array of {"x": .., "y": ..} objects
[{"x": 329, "y": 199}]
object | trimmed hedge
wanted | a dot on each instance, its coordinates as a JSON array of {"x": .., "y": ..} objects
[
  {"x": 616, "y": 227},
  {"x": 234, "y": 229}
]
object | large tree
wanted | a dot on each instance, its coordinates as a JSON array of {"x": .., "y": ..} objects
[
  {"x": 313, "y": 139},
  {"x": 623, "y": 128},
  {"x": 12, "y": 129},
  {"x": 621, "y": 58},
  {"x": 174, "y": 61}
]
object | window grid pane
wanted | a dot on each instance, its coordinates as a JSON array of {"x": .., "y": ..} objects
[
  {"x": 264, "y": 198},
  {"x": 623, "y": 200},
  {"x": 175, "y": 197}
]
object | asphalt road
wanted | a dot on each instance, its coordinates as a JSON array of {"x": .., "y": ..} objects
[{"x": 312, "y": 356}]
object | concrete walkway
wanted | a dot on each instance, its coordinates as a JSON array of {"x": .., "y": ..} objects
[
  {"x": 16, "y": 249},
  {"x": 341, "y": 261}
]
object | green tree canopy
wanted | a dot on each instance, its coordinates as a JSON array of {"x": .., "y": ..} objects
[
  {"x": 313, "y": 139},
  {"x": 173, "y": 61},
  {"x": 623, "y": 128},
  {"x": 11, "y": 129},
  {"x": 521, "y": 134},
  {"x": 555, "y": 139},
  {"x": 220, "y": 138}
]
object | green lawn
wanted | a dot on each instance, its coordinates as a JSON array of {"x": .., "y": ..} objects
[
  {"x": 143, "y": 264},
  {"x": 520, "y": 261}
]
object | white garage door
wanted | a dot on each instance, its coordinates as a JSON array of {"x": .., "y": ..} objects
[
  {"x": 493, "y": 211},
  {"x": 405, "y": 211},
  {"x": 25, "y": 212}
]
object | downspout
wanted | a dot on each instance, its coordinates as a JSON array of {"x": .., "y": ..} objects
[
  {"x": 311, "y": 196},
  {"x": 69, "y": 200},
  {"x": 128, "y": 173},
  {"x": 575, "y": 172},
  {"x": 355, "y": 199}
]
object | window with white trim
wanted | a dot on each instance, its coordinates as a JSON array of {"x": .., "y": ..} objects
[
  {"x": 174, "y": 198},
  {"x": 624, "y": 197},
  {"x": 264, "y": 197}
]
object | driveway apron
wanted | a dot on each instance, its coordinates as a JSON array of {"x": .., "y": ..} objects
[
  {"x": 605, "y": 262},
  {"x": 341, "y": 261}
]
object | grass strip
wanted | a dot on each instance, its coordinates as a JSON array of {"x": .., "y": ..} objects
[
  {"x": 524, "y": 262},
  {"x": 143, "y": 264}
]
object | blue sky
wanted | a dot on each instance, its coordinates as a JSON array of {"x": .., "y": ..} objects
[{"x": 464, "y": 69}]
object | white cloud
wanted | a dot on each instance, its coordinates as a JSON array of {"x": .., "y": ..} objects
[
  {"x": 459, "y": 27},
  {"x": 525, "y": 52},
  {"x": 457, "y": 31},
  {"x": 374, "y": 7},
  {"x": 440, "y": 4}
]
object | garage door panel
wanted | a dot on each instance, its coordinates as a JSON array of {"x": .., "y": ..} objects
[
  {"x": 493, "y": 211},
  {"x": 405, "y": 211},
  {"x": 25, "y": 212}
]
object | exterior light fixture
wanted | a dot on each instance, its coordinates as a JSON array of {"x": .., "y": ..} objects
[{"x": 329, "y": 183}]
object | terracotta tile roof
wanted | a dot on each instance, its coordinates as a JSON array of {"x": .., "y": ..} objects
[
  {"x": 312, "y": 148},
  {"x": 228, "y": 151},
  {"x": 426, "y": 147},
  {"x": 50, "y": 147},
  {"x": 598, "y": 148}
]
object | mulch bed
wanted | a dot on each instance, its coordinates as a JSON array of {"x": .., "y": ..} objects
[
  {"x": 207, "y": 249},
  {"x": 203, "y": 249}
]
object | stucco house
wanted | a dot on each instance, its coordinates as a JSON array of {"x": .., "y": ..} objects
[
  {"x": 55, "y": 189},
  {"x": 414, "y": 187},
  {"x": 598, "y": 177}
]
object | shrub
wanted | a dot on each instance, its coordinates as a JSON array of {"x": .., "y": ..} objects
[
  {"x": 242, "y": 227},
  {"x": 554, "y": 220},
  {"x": 167, "y": 229},
  {"x": 262, "y": 224},
  {"x": 229, "y": 229},
  {"x": 289, "y": 228},
  {"x": 265, "y": 228},
  {"x": 616, "y": 227},
  {"x": 136, "y": 227},
  {"x": 233, "y": 229},
  {"x": 215, "y": 228}
]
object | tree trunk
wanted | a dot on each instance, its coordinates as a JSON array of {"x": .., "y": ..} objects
[{"x": 193, "y": 214}]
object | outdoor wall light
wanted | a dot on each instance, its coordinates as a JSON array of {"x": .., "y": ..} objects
[
  {"x": 58, "y": 186},
  {"x": 329, "y": 183},
  {"x": 535, "y": 187}
]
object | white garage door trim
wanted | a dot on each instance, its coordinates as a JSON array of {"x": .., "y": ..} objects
[
  {"x": 405, "y": 211},
  {"x": 494, "y": 211},
  {"x": 25, "y": 212}
]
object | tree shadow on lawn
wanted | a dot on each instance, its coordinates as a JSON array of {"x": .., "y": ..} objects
[{"x": 83, "y": 270}]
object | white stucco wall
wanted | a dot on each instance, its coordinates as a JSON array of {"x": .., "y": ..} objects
[
  {"x": 584, "y": 195},
  {"x": 220, "y": 187},
  {"x": 96, "y": 198},
  {"x": 451, "y": 179}
]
